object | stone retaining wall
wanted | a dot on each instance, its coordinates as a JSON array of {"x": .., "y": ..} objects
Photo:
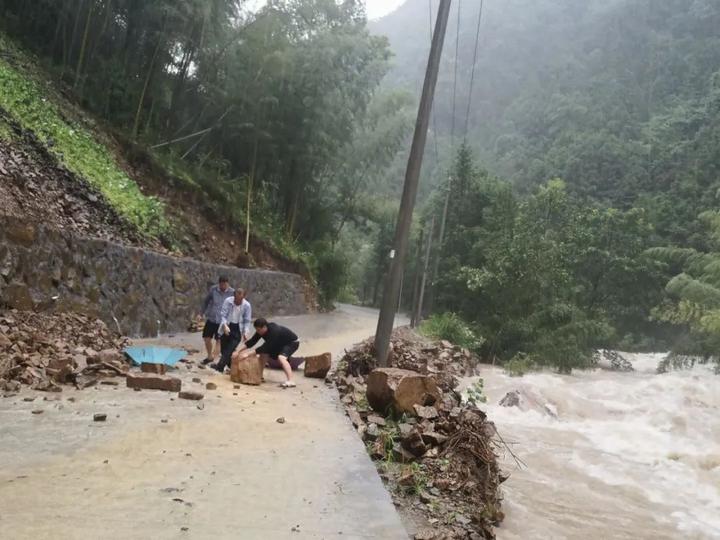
[{"x": 43, "y": 268}]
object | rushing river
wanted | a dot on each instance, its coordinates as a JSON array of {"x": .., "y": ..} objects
[{"x": 611, "y": 455}]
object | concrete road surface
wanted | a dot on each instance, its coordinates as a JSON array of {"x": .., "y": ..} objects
[{"x": 165, "y": 468}]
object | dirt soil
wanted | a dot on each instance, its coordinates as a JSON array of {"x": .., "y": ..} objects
[
  {"x": 440, "y": 464},
  {"x": 34, "y": 186}
]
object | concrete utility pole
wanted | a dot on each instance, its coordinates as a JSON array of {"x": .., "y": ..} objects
[{"x": 407, "y": 203}]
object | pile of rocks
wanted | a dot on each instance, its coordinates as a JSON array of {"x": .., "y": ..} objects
[
  {"x": 435, "y": 452},
  {"x": 409, "y": 350},
  {"x": 46, "y": 350}
]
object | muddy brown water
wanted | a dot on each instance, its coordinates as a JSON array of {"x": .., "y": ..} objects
[{"x": 611, "y": 455}]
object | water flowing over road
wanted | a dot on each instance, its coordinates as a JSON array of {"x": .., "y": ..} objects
[{"x": 611, "y": 455}]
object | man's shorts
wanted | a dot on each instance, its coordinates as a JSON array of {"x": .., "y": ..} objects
[
  {"x": 211, "y": 330},
  {"x": 287, "y": 351}
]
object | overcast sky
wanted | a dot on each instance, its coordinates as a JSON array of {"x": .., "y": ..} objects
[
  {"x": 378, "y": 8},
  {"x": 375, "y": 8}
]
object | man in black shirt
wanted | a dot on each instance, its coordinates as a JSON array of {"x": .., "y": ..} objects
[{"x": 278, "y": 343}]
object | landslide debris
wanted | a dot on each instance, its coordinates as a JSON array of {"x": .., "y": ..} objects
[
  {"x": 439, "y": 461},
  {"x": 48, "y": 350}
]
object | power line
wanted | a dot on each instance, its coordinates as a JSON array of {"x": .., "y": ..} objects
[
  {"x": 472, "y": 73},
  {"x": 455, "y": 77}
]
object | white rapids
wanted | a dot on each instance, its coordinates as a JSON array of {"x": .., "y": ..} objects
[{"x": 610, "y": 455}]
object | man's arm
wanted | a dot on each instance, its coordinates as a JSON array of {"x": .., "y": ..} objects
[
  {"x": 206, "y": 302},
  {"x": 250, "y": 343},
  {"x": 247, "y": 317},
  {"x": 224, "y": 314}
]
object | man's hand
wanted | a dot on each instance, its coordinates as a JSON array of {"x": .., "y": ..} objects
[{"x": 226, "y": 329}]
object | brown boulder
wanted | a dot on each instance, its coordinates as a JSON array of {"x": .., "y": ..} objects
[
  {"x": 317, "y": 367},
  {"x": 247, "y": 370},
  {"x": 151, "y": 381},
  {"x": 193, "y": 396},
  {"x": 414, "y": 444},
  {"x": 399, "y": 390}
]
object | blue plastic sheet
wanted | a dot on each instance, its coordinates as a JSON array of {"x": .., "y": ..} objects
[{"x": 155, "y": 355}]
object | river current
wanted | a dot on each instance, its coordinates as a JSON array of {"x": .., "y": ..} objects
[{"x": 610, "y": 455}]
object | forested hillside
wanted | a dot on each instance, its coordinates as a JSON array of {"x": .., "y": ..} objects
[
  {"x": 598, "y": 125},
  {"x": 570, "y": 187},
  {"x": 270, "y": 120}
]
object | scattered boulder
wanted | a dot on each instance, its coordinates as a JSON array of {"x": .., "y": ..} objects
[
  {"x": 211, "y": 386},
  {"x": 192, "y": 396},
  {"x": 399, "y": 390},
  {"x": 247, "y": 370},
  {"x": 426, "y": 412},
  {"x": 99, "y": 417},
  {"x": 152, "y": 381},
  {"x": 413, "y": 443},
  {"x": 374, "y": 419},
  {"x": 511, "y": 399},
  {"x": 317, "y": 367}
]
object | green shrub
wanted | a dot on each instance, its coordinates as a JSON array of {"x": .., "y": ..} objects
[
  {"x": 452, "y": 328},
  {"x": 332, "y": 274},
  {"x": 520, "y": 364}
]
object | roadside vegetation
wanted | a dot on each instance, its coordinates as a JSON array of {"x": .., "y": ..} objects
[{"x": 25, "y": 99}]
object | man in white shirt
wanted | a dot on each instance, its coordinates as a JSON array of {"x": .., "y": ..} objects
[{"x": 235, "y": 320}]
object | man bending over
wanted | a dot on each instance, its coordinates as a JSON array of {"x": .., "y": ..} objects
[
  {"x": 235, "y": 318},
  {"x": 278, "y": 342}
]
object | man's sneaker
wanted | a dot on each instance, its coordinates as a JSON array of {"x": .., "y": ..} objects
[
  {"x": 288, "y": 384},
  {"x": 207, "y": 361}
]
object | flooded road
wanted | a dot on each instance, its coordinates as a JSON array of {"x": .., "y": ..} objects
[{"x": 611, "y": 455}]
